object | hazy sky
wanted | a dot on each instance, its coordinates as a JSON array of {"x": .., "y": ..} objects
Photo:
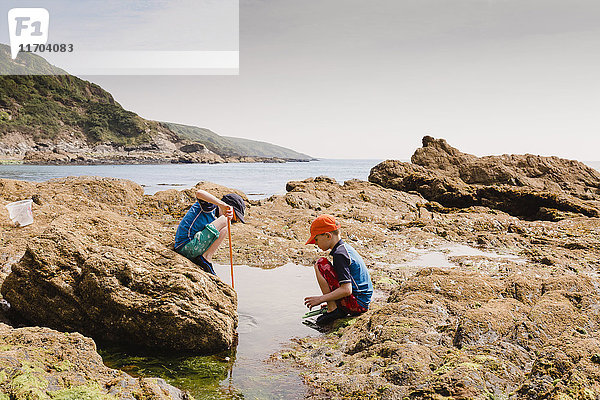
[
  {"x": 137, "y": 24},
  {"x": 368, "y": 79}
]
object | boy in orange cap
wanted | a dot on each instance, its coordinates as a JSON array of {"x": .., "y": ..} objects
[{"x": 346, "y": 285}]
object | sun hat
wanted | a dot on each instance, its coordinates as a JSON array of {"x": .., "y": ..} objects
[
  {"x": 236, "y": 201},
  {"x": 322, "y": 224}
]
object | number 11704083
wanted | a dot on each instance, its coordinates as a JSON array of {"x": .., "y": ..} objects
[{"x": 47, "y": 48}]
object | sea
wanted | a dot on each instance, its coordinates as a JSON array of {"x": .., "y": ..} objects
[{"x": 256, "y": 180}]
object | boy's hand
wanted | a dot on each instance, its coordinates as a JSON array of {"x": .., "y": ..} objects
[
  {"x": 227, "y": 211},
  {"x": 313, "y": 301}
]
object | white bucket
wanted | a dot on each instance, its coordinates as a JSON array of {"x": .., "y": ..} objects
[{"x": 20, "y": 212}]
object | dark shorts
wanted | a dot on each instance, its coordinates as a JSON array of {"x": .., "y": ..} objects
[{"x": 348, "y": 303}]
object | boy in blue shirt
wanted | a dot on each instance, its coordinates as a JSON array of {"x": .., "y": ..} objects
[
  {"x": 346, "y": 285},
  {"x": 204, "y": 226}
]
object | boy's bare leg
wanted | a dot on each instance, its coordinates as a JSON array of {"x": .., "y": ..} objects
[
  {"x": 221, "y": 225},
  {"x": 331, "y": 305}
]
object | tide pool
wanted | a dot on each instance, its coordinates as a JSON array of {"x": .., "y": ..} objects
[{"x": 270, "y": 309}]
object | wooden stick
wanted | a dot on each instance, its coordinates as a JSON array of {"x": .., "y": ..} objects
[{"x": 230, "y": 251}]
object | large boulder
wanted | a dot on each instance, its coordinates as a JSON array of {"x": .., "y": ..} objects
[
  {"x": 533, "y": 187},
  {"x": 552, "y": 174},
  {"x": 43, "y": 364},
  {"x": 111, "y": 277}
]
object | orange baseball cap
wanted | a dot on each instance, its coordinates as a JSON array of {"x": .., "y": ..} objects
[{"x": 322, "y": 224}]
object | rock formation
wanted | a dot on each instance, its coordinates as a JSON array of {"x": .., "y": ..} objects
[
  {"x": 527, "y": 186},
  {"x": 465, "y": 334},
  {"x": 42, "y": 364},
  {"x": 77, "y": 152},
  {"x": 515, "y": 317},
  {"x": 95, "y": 270},
  {"x": 549, "y": 174}
]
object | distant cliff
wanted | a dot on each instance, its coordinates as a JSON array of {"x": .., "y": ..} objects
[
  {"x": 231, "y": 146},
  {"x": 59, "y": 119}
]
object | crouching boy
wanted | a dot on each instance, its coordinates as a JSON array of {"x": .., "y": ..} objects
[
  {"x": 204, "y": 226},
  {"x": 346, "y": 285}
]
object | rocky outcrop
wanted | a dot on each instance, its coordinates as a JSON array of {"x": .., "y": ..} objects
[
  {"x": 515, "y": 317},
  {"x": 457, "y": 334},
  {"x": 42, "y": 364},
  {"x": 193, "y": 147},
  {"x": 81, "y": 153},
  {"x": 532, "y": 187},
  {"x": 90, "y": 267},
  {"x": 68, "y": 154},
  {"x": 548, "y": 174}
]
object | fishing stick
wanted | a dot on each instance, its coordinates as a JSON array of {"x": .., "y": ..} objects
[{"x": 230, "y": 251}]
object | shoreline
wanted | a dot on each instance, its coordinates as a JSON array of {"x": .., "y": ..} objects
[
  {"x": 257, "y": 180},
  {"x": 490, "y": 284},
  {"x": 142, "y": 161}
]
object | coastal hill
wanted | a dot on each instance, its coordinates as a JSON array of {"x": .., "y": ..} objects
[
  {"x": 231, "y": 146},
  {"x": 25, "y": 64},
  {"x": 60, "y": 119}
]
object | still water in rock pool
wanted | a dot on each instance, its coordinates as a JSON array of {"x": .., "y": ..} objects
[{"x": 270, "y": 308}]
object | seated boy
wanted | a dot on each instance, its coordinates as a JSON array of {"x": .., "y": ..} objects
[
  {"x": 346, "y": 286},
  {"x": 203, "y": 228}
]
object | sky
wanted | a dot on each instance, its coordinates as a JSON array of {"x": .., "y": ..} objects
[
  {"x": 368, "y": 79},
  {"x": 102, "y": 25}
]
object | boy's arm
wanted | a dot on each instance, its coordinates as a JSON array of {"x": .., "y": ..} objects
[
  {"x": 344, "y": 290},
  {"x": 224, "y": 208}
]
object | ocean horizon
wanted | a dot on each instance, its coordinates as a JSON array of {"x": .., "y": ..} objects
[{"x": 256, "y": 180}]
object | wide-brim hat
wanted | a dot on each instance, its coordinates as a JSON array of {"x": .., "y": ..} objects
[{"x": 236, "y": 201}]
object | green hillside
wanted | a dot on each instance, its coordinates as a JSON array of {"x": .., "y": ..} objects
[
  {"x": 230, "y": 146},
  {"x": 45, "y": 107},
  {"x": 25, "y": 64},
  {"x": 49, "y": 108}
]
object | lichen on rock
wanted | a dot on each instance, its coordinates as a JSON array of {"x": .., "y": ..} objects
[{"x": 43, "y": 364}]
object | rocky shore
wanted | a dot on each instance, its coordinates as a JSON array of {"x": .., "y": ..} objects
[
  {"x": 18, "y": 149},
  {"x": 39, "y": 363},
  {"x": 519, "y": 319},
  {"x": 507, "y": 308}
]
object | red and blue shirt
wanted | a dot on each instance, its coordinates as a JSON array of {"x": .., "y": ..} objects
[{"x": 350, "y": 268}]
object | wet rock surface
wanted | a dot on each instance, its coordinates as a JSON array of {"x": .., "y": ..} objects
[
  {"x": 39, "y": 363},
  {"x": 514, "y": 315},
  {"x": 481, "y": 330},
  {"x": 471, "y": 302}
]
